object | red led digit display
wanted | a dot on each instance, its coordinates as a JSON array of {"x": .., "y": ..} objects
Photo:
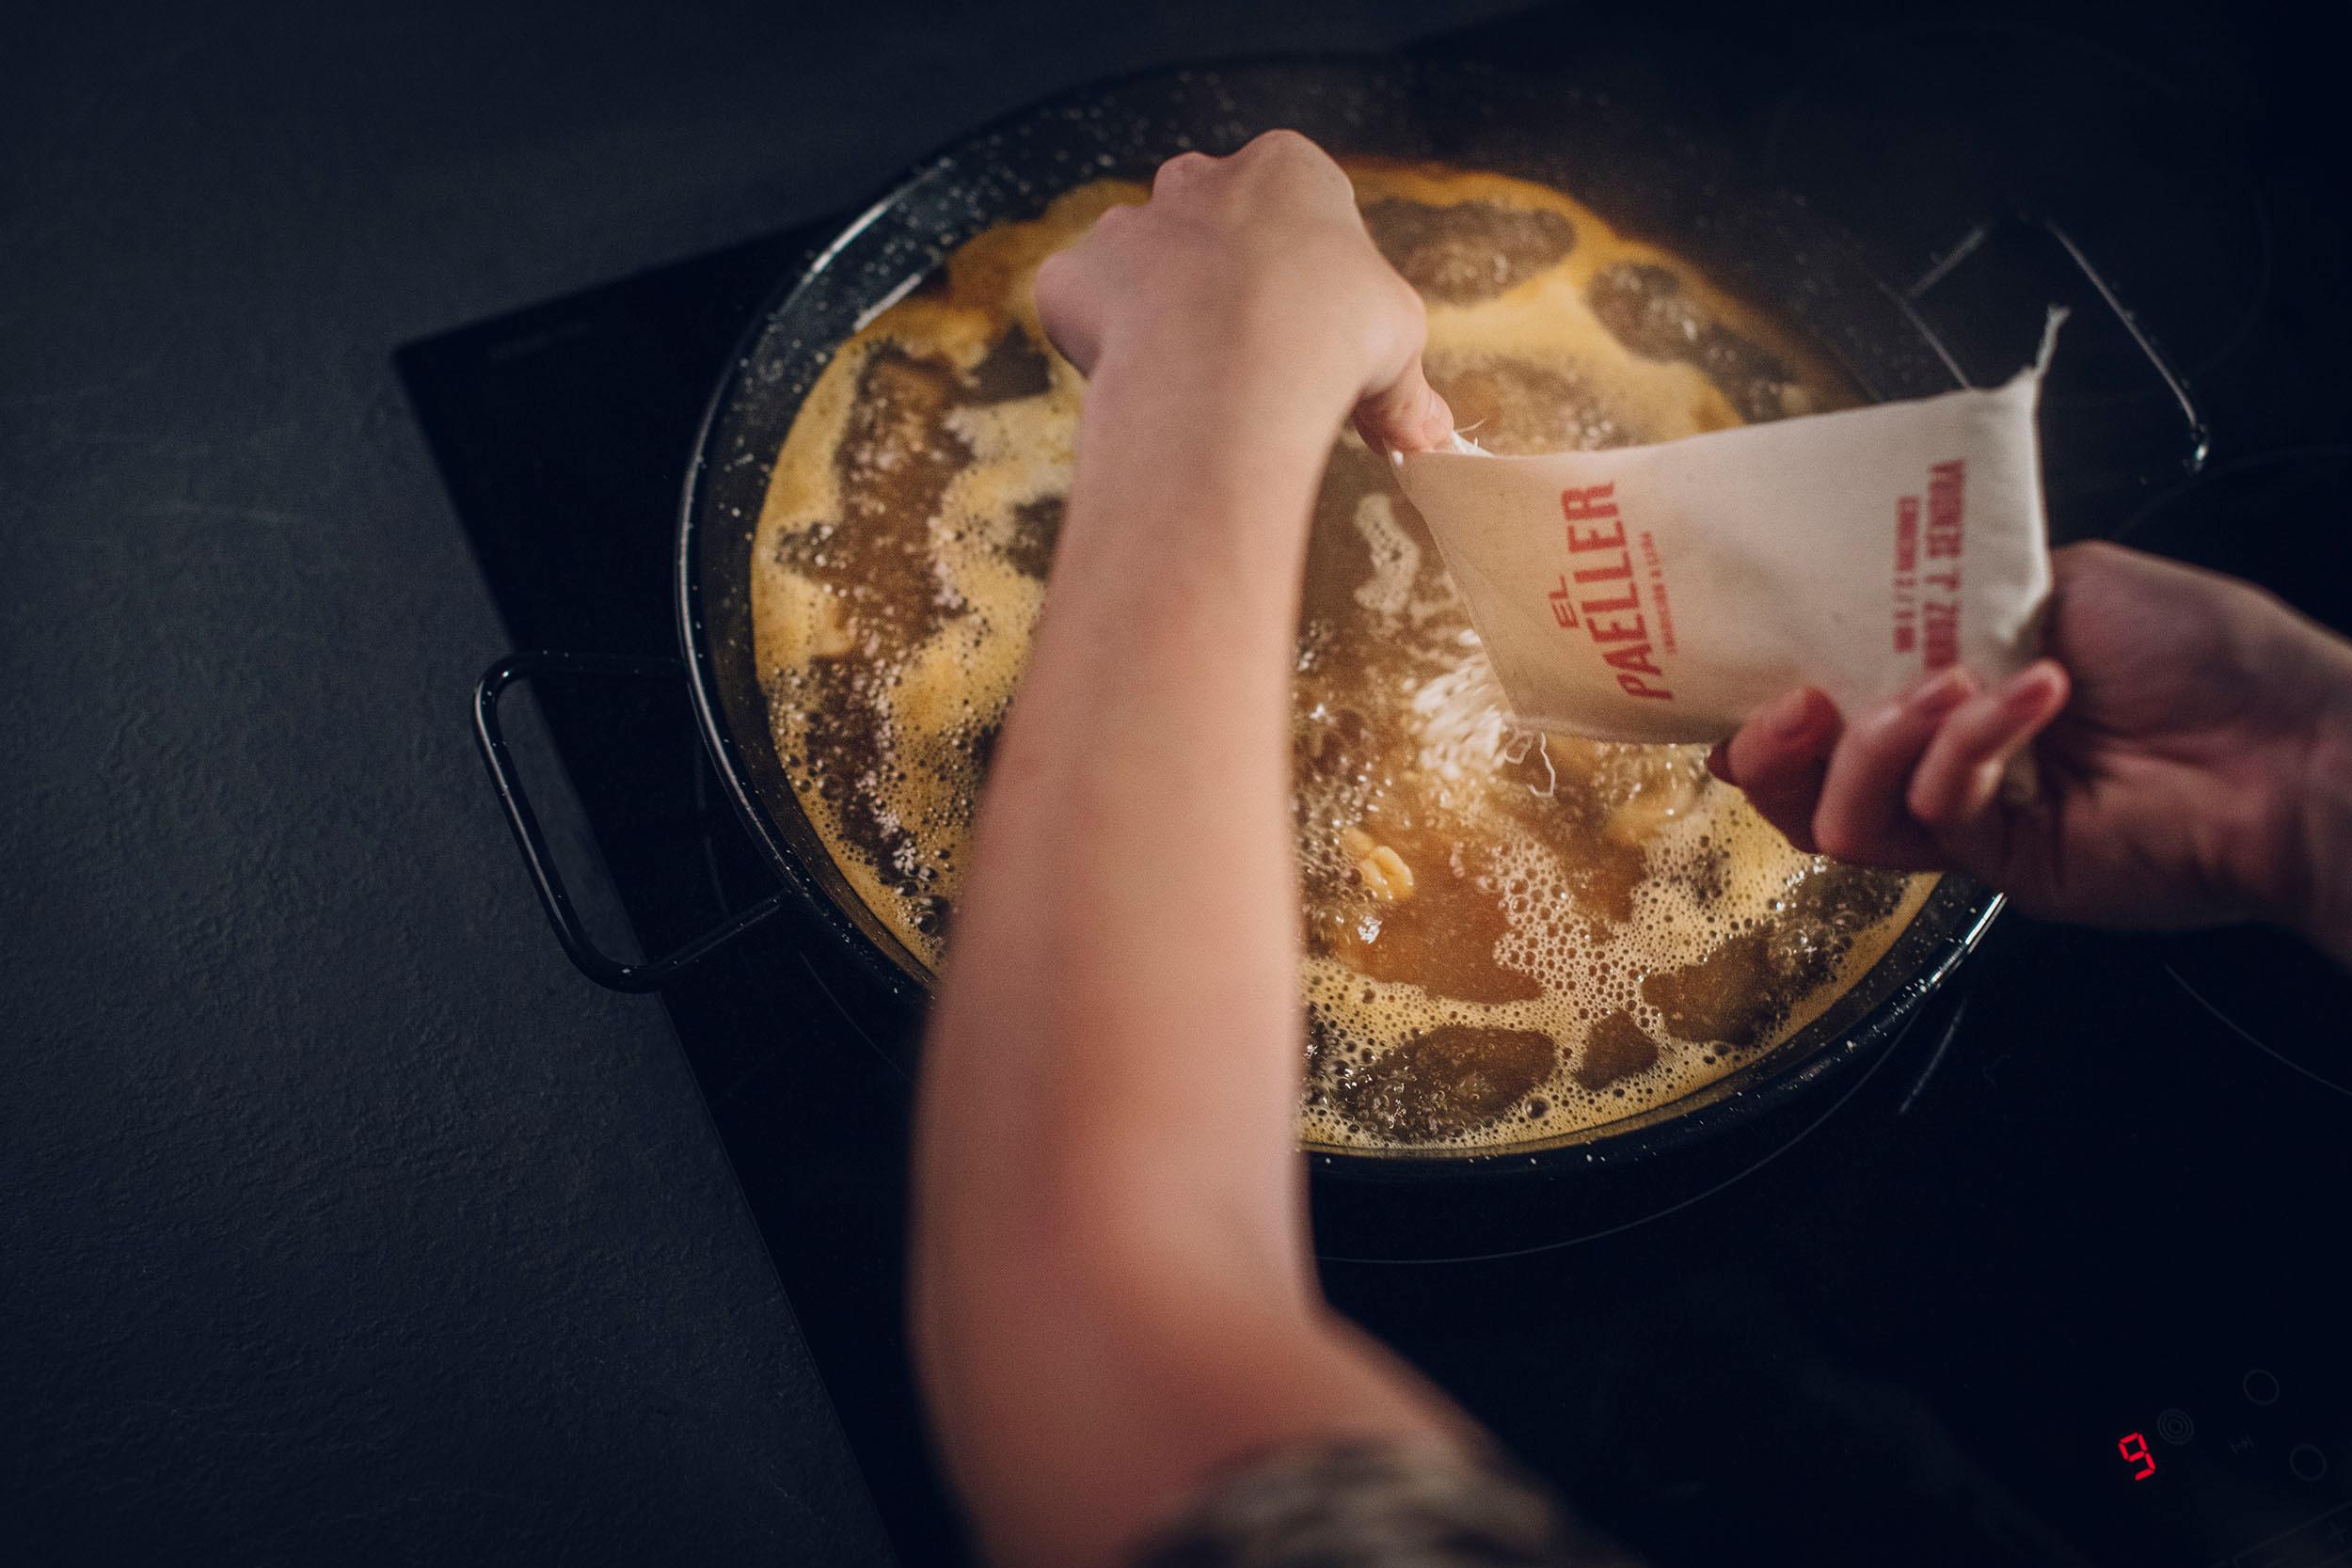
[{"x": 2134, "y": 1451}]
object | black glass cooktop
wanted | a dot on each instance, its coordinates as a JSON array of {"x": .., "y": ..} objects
[{"x": 2061, "y": 1279}]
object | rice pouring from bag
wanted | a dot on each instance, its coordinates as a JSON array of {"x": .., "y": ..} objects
[{"x": 1663, "y": 593}]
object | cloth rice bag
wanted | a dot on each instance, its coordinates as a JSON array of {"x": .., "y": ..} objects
[{"x": 1664, "y": 593}]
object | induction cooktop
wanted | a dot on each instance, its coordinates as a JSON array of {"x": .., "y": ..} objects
[{"x": 2062, "y": 1278}]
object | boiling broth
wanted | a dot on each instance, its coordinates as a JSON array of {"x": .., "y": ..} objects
[{"x": 1510, "y": 936}]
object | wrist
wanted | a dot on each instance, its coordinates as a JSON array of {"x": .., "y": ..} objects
[
  {"x": 1196, "y": 483},
  {"x": 1219, "y": 449},
  {"x": 2322, "y": 811},
  {"x": 1256, "y": 385}
]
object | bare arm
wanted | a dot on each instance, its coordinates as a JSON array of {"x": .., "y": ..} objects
[{"x": 1113, "y": 1294}]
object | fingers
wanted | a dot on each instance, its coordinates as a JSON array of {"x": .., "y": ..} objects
[
  {"x": 1406, "y": 415},
  {"x": 1292, "y": 161},
  {"x": 1960, "y": 776},
  {"x": 1915, "y": 785},
  {"x": 1258, "y": 256},
  {"x": 1863, "y": 813},
  {"x": 1778, "y": 760},
  {"x": 1180, "y": 172},
  {"x": 1067, "y": 308},
  {"x": 1292, "y": 156}
]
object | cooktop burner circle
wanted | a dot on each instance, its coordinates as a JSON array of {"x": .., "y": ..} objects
[
  {"x": 2253, "y": 518},
  {"x": 1920, "y": 135}
]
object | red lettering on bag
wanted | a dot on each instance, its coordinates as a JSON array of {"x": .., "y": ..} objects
[
  {"x": 1591, "y": 506},
  {"x": 1609, "y": 619},
  {"x": 1906, "y": 570},
  {"x": 1562, "y": 607},
  {"x": 1635, "y": 658},
  {"x": 1945, "y": 509},
  {"x": 1942, "y": 627},
  {"x": 1592, "y": 502}
]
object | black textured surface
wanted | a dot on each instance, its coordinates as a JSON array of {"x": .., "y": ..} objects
[
  {"x": 1922, "y": 1332},
  {"x": 340, "y": 1220}
]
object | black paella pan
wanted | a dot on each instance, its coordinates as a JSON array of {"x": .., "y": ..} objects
[{"x": 1643, "y": 176}]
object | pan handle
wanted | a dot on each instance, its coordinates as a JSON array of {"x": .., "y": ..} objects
[
  {"x": 2018, "y": 232},
  {"x": 570, "y": 930}
]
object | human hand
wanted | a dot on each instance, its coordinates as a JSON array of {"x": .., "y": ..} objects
[
  {"x": 1250, "y": 280},
  {"x": 2194, "y": 760}
]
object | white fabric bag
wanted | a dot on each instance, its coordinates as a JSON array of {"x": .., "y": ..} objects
[{"x": 1664, "y": 593}]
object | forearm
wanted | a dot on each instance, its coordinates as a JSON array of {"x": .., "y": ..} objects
[
  {"x": 1135, "y": 833},
  {"x": 1110, "y": 1214}
]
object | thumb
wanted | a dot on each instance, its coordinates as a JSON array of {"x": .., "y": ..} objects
[
  {"x": 1406, "y": 415},
  {"x": 1068, "y": 310}
]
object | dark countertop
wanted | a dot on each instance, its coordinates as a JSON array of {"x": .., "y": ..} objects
[
  {"x": 343, "y": 1221},
  {"x": 340, "y": 1220}
]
